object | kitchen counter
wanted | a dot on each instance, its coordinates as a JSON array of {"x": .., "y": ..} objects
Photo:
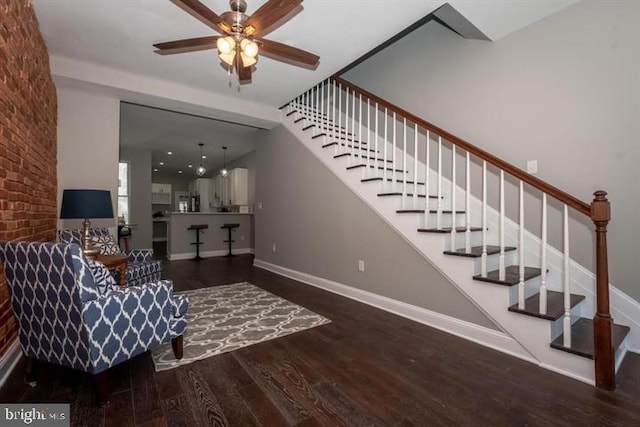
[
  {"x": 210, "y": 213},
  {"x": 179, "y": 245}
]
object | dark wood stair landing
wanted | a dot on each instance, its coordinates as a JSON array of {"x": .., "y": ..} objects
[{"x": 582, "y": 338}]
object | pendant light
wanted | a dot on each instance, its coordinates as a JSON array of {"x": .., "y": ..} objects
[
  {"x": 224, "y": 172},
  {"x": 201, "y": 169}
]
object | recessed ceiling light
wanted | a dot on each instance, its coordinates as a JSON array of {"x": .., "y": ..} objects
[
  {"x": 190, "y": 166},
  {"x": 179, "y": 171},
  {"x": 204, "y": 157},
  {"x": 161, "y": 163},
  {"x": 155, "y": 170},
  {"x": 169, "y": 152}
]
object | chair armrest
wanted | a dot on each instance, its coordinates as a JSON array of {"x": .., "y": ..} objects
[
  {"x": 140, "y": 255},
  {"x": 126, "y": 322}
]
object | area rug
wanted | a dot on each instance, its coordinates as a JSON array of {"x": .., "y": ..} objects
[{"x": 225, "y": 318}]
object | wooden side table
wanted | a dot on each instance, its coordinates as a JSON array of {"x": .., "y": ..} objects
[{"x": 116, "y": 262}]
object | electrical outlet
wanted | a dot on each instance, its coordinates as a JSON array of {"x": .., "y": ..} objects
[
  {"x": 273, "y": 248},
  {"x": 532, "y": 166},
  {"x": 360, "y": 265},
  {"x": 259, "y": 205}
]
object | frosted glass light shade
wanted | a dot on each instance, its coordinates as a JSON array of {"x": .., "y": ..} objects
[
  {"x": 249, "y": 48},
  {"x": 225, "y": 44},
  {"x": 228, "y": 57},
  {"x": 247, "y": 61}
]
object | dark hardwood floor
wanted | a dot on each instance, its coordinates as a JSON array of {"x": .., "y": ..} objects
[{"x": 367, "y": 367}]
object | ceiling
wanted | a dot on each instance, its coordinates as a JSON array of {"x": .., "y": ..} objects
[
  {"x": 107, "y": 46},
  {"x": 120, "y": 34},
  {"x": 161, "y": 131}
]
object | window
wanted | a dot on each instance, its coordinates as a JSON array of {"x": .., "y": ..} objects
[{"x": 123, "y": 192}]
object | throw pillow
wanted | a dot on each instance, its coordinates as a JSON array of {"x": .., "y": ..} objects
[{"x": 106, "y": 244}]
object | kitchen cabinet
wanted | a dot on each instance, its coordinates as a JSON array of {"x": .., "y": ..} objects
[
  {"x": 238, "y": 186},
  {"x": 202, "y": 188},
  {"x": 161, "y": 194}
]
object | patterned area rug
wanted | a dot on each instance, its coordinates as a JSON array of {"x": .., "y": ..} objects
[{"x": 229, "y": 317}]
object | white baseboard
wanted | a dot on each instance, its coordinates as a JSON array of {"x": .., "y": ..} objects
[
  {"x": 479, "y": 334},
  {"x": 208, "y": 254},
  {"x": 9, "y": 361}
]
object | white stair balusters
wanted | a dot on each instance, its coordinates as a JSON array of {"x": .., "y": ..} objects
[
  {"x": 452, "y": 244},
  {"x": 484, "y": 220},
  {"x": 467, "y": 204},
  {"x": 566, "y": 321},
  {"x": 543, "y": 258},
  {"x": 393, "y": 152},
  {"x": 439, "y": 191},
  {"x": 501, "y": 260},
  {"x": 427, "y": 169},
  {"x": 415, "y": 166},
  {"x": 521, "y": 248},
  {"x": 386, "y": 149},
  {"x": 404, "y": 163}
]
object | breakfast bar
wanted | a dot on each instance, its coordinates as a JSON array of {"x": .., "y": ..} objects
[{"x": 213, "y": 239}]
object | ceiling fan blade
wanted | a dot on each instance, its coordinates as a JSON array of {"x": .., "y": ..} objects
[
  {"x": 204, "y": 14},
  {"x": 186, "y": 45},
  {"x": 283, "y": 51},
  {"x": 269, "y": 14}
]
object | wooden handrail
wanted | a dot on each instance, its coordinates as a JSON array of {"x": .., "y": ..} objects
[{"x": 541, "y": 185}]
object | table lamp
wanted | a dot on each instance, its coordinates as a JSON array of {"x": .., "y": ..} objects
[{"x": 86, "y": 204}]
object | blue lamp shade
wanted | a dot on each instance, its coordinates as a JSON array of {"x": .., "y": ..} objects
[{"x": 85, "y": 204}]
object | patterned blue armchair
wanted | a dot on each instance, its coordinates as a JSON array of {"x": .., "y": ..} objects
[
  {"x": 71, "y": 312},
  {"x": 142, "y": 268}
]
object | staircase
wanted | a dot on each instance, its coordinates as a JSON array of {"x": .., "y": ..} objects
[{"x": 448, "y": 199}]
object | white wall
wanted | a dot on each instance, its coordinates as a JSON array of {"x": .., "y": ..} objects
[
  {"x": 564, "y": 91},
  {"x": 321, "y": 228},
  {"x": 88, "y": 137}
]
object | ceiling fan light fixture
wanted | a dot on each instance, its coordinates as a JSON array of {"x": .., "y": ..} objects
[
  {"x": 249, "y": 48},
  {"x": 226, "y": 45},
  {"x": 247, "y": 61},
  {"x": 228, "y": 58}
]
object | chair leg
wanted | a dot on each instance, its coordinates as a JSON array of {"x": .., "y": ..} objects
[
  {"x": 102, "y": 387},
  {"x": 176, "y": 343},
  {"x": 31, "y": 371}
]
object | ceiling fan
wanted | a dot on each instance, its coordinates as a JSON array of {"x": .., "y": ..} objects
[{"x": 240, "y": 42}]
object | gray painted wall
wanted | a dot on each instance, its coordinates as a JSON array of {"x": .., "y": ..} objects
[
  {"x": 563, "y": 91},
  {"x": 321, "y": 228},
  {"x": 140, "y": 199}
]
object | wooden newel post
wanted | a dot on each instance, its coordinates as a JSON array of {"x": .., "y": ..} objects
[{"x": 602, "y": 322}]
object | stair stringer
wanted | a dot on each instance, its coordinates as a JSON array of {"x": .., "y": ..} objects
[{"x": 532, "y": 335}]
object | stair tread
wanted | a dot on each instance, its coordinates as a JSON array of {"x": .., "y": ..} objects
[
  {"x": 582, "y": 338},
  {"x": 360, "y": 157},
  {"x": 375, "y": 167},
  {"x": 511, "y": 277},
  {"x": 447, "y": 229},
  {"x": 330, "y": 144},
  {"x": 476, "y": 251},
  {"x": 414, "y": 211},
  {"x": 555, "y": 305},
  {"x": 400, "y": 194}
]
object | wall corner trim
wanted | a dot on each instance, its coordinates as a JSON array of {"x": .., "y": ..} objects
[{"x": 470, "y": 331}]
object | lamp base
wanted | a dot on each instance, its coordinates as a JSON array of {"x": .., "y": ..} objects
[{"x": 88, "y": 249}]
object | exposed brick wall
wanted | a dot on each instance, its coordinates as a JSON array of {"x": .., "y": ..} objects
[{"x": 28, "y": 115}]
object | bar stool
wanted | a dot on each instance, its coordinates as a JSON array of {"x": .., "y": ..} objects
[
  {"x": 230, "y": 227},
  {"x": 198, "y": 228}
]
